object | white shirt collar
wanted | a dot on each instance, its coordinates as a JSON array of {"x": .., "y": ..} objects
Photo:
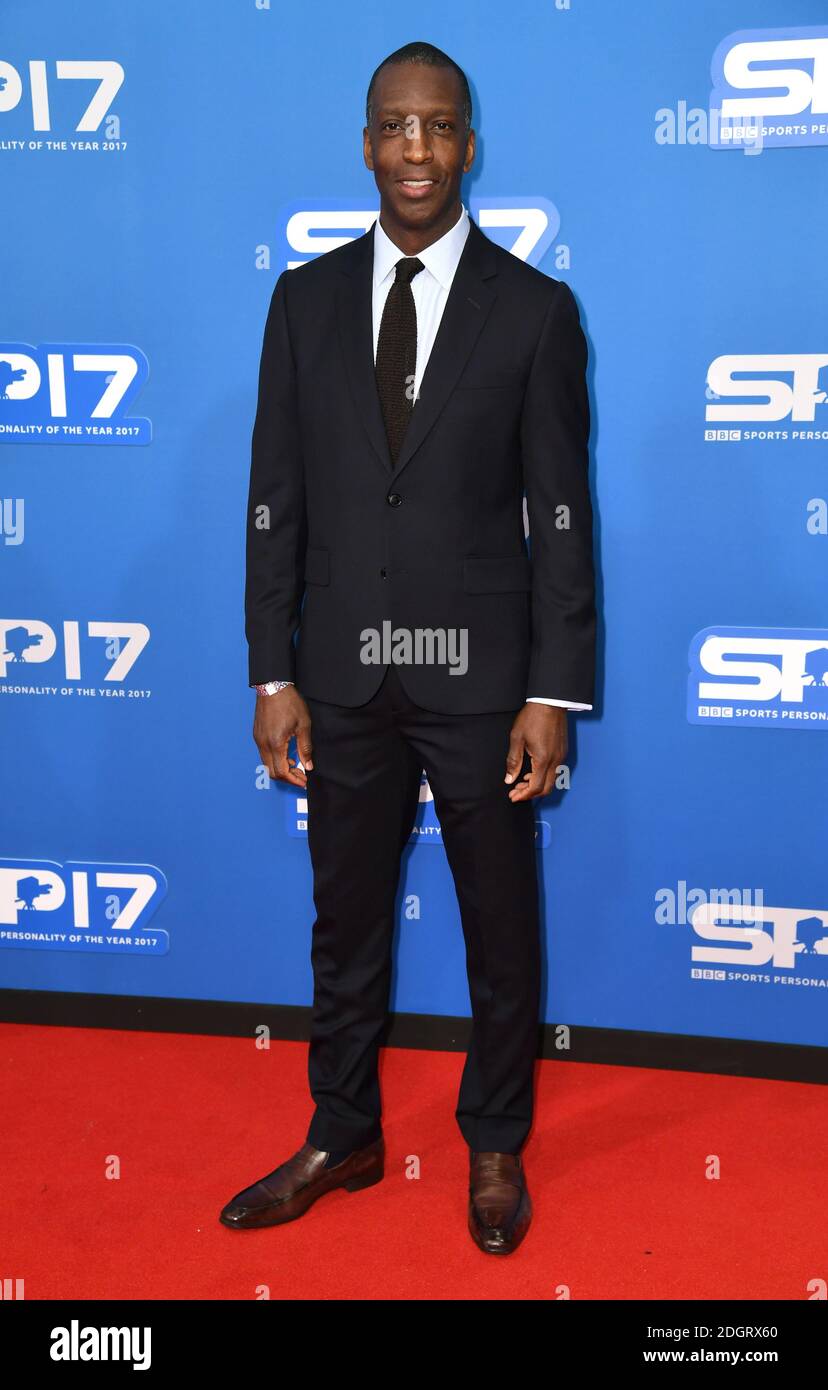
[{"x": 440, "y": 258}]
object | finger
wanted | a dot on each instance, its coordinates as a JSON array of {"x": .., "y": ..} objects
[
  {"x": 303, "y": 745},
  {"x": 514, "y": 757},
  {"x": 552, "y": 769},
  {"x": 549, "y": 780},
  {"x": 296, "y": 774},
  {"x": 284, "y": 772},
  {"x": 532, "y": 785}
]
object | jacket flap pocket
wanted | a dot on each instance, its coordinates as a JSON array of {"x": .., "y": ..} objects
[
  {"x": 498, "y": 575},
  {"x": 317, "y": 565}
]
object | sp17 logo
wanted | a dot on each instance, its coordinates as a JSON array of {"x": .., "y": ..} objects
[
  {"x": 747, "y": 935},
  {"x": 769, "y": 397},
  {"x": 68, "y": 393},
  {"x": 525, "y": 226},
  {"x": 107, "y": 74},
  {"x": 80, "y": 906},
  {"x": 759, "y": 677},
  {"x": 772, "y": 83},
  {"x": 29, "y": 641}
]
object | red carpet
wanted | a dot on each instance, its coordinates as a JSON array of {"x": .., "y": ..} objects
[{"x": 616, "y": 1168}]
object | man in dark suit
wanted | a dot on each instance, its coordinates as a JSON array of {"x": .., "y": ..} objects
[{"x": 413, "y": 384}]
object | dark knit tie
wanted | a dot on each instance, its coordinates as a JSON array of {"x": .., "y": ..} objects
[{"x": 397, "y": 354}]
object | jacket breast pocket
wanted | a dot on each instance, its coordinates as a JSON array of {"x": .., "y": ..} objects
[
  {"x": 483, "y": 397},
  {"x": 317, "y": 565},
  {"x": 499, "y": 574},
  {"x": 497, "y": 379}
]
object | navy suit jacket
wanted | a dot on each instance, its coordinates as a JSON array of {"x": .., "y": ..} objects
[{"x": 340, "y": 542}]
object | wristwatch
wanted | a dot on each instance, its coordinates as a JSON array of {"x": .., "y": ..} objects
[{"x": 272, "y": 687}]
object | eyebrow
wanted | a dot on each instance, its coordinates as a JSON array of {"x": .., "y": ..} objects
[{"x": 393, "y": 113}]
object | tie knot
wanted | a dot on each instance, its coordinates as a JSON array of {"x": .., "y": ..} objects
[{"x": 407, "y": 268}]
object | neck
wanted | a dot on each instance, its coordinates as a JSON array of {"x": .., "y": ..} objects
[{"x": 411, "y": 240}]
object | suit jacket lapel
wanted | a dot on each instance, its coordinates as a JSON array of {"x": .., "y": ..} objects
[
  {"x": 466, "y": 309},
  {"x": 467, "y": 306},
  {"x": 356, "y": 337}
]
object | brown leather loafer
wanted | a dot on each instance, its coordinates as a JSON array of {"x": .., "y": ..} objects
[
  {"x": 500, "y": 1208},
  {"x": 291, "y": 1188}
]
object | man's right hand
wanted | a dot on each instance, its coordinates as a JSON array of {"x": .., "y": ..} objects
[{"x": 278, "y": 719}]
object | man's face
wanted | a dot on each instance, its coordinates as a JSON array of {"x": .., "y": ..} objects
[{"x": 417, "y": 144}]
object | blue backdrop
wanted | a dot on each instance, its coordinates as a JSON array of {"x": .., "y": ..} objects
[{"x": 161, "y": 164}]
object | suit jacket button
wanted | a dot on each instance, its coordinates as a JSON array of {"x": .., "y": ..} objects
[
  {"x": 383, "y": 573},
  {"x": 393, "y": 499}
]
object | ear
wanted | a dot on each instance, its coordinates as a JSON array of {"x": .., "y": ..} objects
[
  {"x": 471, "y": 147},
  {"x": 367, "y": 152}
]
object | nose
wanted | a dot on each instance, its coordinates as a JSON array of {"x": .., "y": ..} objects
[{"x": 417, "y": 148}]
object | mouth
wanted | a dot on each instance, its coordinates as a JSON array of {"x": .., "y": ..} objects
[{"x": 416, "y": 188}]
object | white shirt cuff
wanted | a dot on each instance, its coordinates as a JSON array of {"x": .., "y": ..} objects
[{"x": 564, "y": 704}]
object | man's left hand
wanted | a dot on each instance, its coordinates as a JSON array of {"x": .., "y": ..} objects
[{"x": 541, "y": 732}]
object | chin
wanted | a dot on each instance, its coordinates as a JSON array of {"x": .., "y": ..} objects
[{"x": 415, "y": 212}]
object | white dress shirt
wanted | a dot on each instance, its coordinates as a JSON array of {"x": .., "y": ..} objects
[{"x": 430, "y": 288}]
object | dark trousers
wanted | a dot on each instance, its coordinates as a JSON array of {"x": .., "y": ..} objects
[{"x": 363, "y": 792}]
